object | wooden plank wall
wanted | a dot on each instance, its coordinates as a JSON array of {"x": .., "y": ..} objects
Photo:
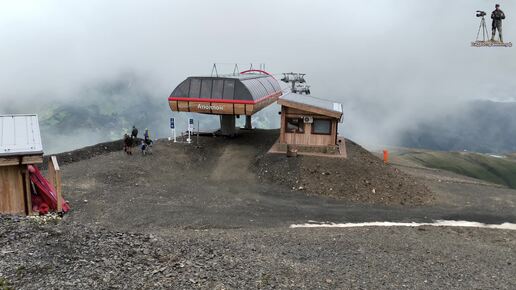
[
  {"x": 306, "y": 138},
  {"x": 12, "y": 195},
  {"x": 226, "y": 108}
]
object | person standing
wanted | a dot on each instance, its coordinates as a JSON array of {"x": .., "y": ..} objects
[
  {"x": 134, "y": 133},
  {"x": 146, "y": 134},
  {"x": 497, "y": 15},
  {"x": 128, "y": 144}
]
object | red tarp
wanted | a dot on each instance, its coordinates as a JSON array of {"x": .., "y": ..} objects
[{"x": 46, "y": 198}]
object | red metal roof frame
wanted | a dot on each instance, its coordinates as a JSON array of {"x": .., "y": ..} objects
[
  {"x": 276, "y": 94},
  {"x": 256, "y": 70}
]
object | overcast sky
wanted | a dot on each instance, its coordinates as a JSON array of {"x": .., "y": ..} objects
[{"x": 409, "y": 59}]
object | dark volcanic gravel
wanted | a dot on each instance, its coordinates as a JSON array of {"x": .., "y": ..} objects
[
  {"x": 86, "y": 153},
  {"x": 361, "y": 177},
  {"x": 216, "y": 216},
  {"x": 73, "y": 256}
]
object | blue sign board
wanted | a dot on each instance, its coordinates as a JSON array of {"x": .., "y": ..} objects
[
  {"x": 190, "y": 124},
  {"x": 172, "y": 123}
]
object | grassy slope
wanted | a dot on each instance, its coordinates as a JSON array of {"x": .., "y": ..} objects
[{"x": 492, "y": 169}]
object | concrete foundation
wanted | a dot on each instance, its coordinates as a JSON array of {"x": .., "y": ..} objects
[
  {"x": 227, "y": 125},
  {"x": 334, "y": 151}
]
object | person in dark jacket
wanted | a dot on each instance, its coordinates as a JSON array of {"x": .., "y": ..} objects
[
  {"x": 147, "y": 142},
  {"x": 134, "y": 133},
  {"x": 128, "y": 144},
  {"x": 497, "y": 15}
]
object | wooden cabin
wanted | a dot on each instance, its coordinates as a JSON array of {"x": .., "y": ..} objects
[
  {"x": 20, "y": 146},
  {"x": 310, "y": 124}
]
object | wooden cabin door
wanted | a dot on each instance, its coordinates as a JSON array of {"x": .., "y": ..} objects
[{"x": 12, "y": 196}]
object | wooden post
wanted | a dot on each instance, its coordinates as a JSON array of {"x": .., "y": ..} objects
[
  {"x": 28, "y": 191},
  {"x": 282, "y": 125},
  {"x": 54, "y": 176},
  {"x": 335, "y": 130}
]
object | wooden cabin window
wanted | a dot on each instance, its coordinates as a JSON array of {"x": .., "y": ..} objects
[
  {"x": 294, "y": 125},
  {"x": 321, "y": 126}
]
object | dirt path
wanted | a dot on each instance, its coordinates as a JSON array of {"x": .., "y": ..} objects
[{"x": 234, "y": 165}]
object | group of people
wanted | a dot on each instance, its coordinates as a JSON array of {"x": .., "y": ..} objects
[{"x": 132, "y": 141}]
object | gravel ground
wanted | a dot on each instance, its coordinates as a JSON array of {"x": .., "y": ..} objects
[
  {"x": 72, "y": 256},
  {"x": 85, "y": 153},
  {"x": 210, "y": 217},
  {"x": 362, "y": 177}
]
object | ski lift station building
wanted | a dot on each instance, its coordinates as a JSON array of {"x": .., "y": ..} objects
[
  {"x": 228, "y": 96},
  {"x": 20, "y": 146},
  {"x": 310, "y": 125}
]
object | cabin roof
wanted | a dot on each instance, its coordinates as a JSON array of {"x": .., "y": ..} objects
[
  {"x": 20, "y": 135},
  {"x": 238, "y": 87},
  {"x": 312, "y": 104}
]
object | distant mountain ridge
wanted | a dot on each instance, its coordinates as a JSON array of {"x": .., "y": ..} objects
[{"x": 481, "y": 126}]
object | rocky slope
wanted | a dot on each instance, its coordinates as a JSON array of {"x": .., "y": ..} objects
[{"x": 75, "y": 256}]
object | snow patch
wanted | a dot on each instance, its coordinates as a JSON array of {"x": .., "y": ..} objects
[
  {"x": 437, "y": 223},
  {"x": 496, "y": 156}
]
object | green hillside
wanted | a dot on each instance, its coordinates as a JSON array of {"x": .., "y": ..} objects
[{"x": 493, "y": 169}]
